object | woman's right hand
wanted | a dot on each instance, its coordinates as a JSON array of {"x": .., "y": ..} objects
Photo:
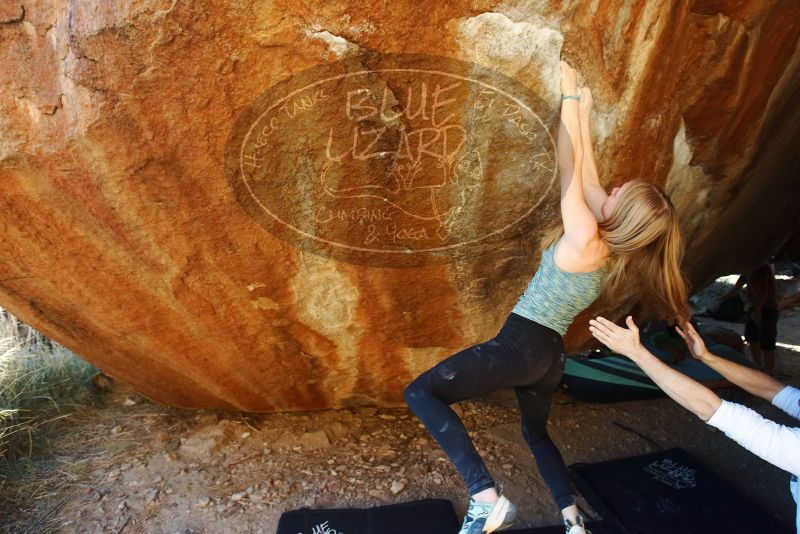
[
  {"x": 569, "y": 79},
  {"x": 693, "y": 340}
]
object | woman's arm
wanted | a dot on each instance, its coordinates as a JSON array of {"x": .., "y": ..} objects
[
  {"x": 777, "y": 444},
  {"x": 688, "y": 393},
  {"x": 593, "y": 192},
  {"x": 754, "y": 382},
  {"x": 580, "y": 225}
]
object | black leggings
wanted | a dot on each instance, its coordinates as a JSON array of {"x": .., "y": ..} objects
[{"x": 524, "y": 355}]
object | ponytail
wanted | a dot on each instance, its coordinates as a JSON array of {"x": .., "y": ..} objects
[
  {"x": 644, "y": 238},
  {"x": 672, "y": 289}
]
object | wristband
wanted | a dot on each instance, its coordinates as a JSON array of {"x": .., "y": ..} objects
[{"x": 567, "y": 97}]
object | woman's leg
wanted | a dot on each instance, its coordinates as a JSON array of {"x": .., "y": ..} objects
[
  {"x": 472, "y": 372},
  {"x": 756, "y": 355},
  {"x": 534, "y": 404},
  {"x": 751, "y": 335},
  {"x": 768, "y": 330}
]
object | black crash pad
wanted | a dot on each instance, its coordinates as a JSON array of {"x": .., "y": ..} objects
[
  {"x": 669, "y": 492},
  {"x": 603, "y": 527},
  {"x": 427, "y": 516}
]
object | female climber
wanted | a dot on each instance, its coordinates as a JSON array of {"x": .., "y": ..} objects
[{"x": 602, "y": 238}]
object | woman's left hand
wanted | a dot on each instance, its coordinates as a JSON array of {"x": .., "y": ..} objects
[{"x": 622, "y": 340}]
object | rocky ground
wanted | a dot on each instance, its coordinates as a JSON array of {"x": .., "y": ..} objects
[{"x": 136, "y": 466}]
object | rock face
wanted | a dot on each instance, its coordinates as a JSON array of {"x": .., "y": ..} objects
[{"x": 251, "y": 206}]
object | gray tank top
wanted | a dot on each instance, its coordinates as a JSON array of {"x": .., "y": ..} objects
[{"x": 554, "y": 297}]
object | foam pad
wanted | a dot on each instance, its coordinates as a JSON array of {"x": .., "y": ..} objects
[
  {"x": 427, "y": 516},
  {"x": 669, "y": 492}
]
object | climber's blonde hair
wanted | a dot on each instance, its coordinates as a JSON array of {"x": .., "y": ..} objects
[{"x": 643, "y": 237}]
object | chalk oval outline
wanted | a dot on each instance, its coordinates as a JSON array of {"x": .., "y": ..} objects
[{"x": 346, "y": 246}]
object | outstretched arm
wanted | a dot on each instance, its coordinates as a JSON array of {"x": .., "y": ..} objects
[
  {"x": 688, "y": 393},
  {"x": 580, "y": 225},
  {"x": 777, "y": 444},
  {"x": 755, "y": 382},
  {"x": 593, "y": 192}
]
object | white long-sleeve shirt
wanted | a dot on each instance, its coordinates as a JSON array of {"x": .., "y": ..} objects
[{"x": 777, "y": 444}]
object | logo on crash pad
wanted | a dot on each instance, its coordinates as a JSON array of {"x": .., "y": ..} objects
[{"x": 394, "y": 159}]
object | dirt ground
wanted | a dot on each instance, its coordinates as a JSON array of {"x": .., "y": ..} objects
[{"x": 136, "y": 466}]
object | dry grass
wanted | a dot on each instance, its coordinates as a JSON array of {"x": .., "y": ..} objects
[
  {"x": 43, "y": 386},
  {"x": 41, "y": 382},
  {"x": 56, "y": 430}
]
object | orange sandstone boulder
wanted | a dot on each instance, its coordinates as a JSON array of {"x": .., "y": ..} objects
[{"x": 270, "y": 206}]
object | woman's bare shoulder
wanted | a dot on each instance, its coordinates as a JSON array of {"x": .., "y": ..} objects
[{"x": 582, "y": 257}]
